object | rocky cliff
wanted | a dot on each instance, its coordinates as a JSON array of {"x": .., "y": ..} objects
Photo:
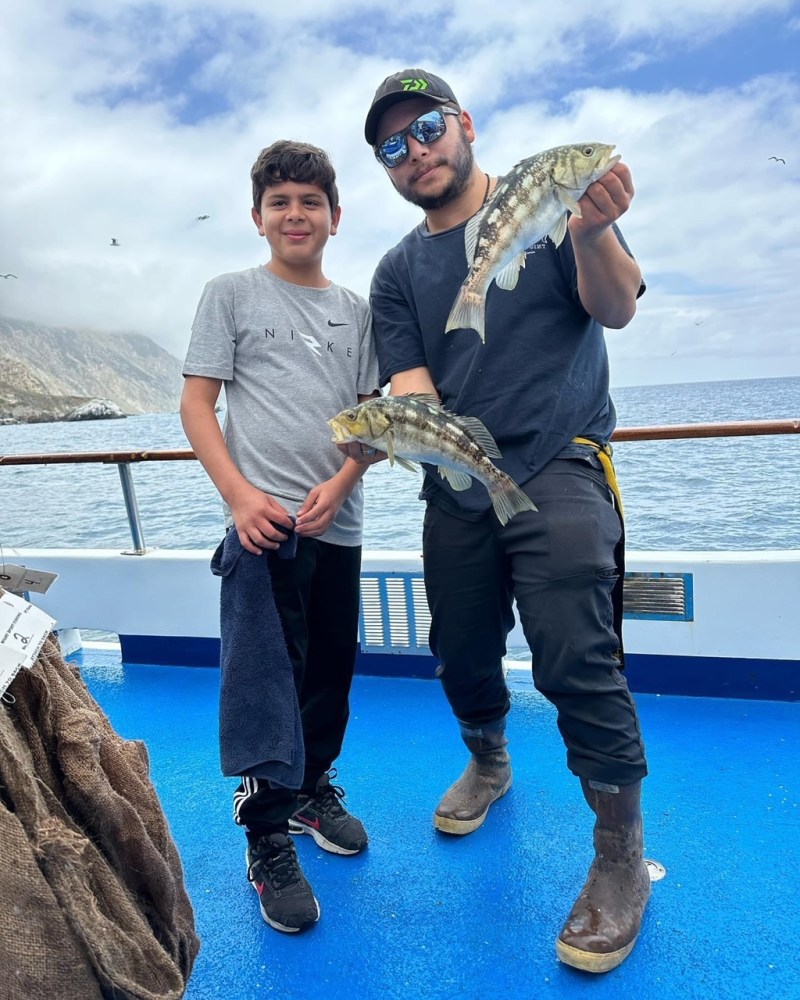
[{"x": 47, "y": 373}]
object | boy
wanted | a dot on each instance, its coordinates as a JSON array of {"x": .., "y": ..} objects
[{"x": 292, "y": 349}]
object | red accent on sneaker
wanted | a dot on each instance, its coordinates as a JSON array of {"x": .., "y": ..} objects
[{"x": 309, "y": 822}]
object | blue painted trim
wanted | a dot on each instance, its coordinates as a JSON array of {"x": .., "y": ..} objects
[
  {"x": 170, "y": 650},
  {"x": 698, "y": 676},
  {"x": 713, "y": 677},
  {"x": 405, "y": 664}
]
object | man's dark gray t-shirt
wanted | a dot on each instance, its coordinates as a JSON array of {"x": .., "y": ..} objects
[{"x": 539, "y": 380}]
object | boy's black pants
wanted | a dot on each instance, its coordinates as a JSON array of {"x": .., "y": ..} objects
[{"x": 317, "y": 596}]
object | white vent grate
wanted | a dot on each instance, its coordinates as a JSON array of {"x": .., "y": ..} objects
[
  {"x": 657, "y": 595},
  {"x": 395, "y": 615}
]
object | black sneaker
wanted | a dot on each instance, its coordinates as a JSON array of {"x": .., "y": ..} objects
[
  {"x": 325, "y": 818},
  {"x": 287, "y": 901}
]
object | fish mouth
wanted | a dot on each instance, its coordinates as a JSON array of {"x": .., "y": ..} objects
[
  {"x": 340, "y": 435},
  {"x": 605, "y": 166},
  {"x": 610, "y": 160}
]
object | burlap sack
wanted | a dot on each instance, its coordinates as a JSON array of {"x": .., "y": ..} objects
[{"x": 92, "y": 899}]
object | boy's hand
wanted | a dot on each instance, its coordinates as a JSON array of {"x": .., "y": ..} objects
[
  {"x": 320, "y": 508},
  {"x": 253, "y": 513}
]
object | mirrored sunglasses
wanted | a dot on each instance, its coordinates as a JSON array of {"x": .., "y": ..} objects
[{"x": 425, "y": 129}]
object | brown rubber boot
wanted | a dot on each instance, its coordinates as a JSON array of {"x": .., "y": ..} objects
[
  {"x": 602, "y": 927},
  {"x": 487, "y": 776}
]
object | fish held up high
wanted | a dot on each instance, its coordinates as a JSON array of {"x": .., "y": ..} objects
[
  {"x": 417, "y": 428},
  {"x": 529, "y": 203}
]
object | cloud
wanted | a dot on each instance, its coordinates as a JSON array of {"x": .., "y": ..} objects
[{"x": 130, "y": 120}]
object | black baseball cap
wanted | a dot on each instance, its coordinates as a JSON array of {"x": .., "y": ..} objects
[{"x": 403, "y": 86}]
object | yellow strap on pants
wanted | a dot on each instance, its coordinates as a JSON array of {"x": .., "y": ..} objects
[{"x": 604, "y": 453}]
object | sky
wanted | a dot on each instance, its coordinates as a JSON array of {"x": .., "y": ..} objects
[{"x": 129, "y": 120}]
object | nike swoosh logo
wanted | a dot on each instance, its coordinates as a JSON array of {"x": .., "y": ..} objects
[
  {"x": 331, "y": 323},
  {"x": 303, "y": 819}
]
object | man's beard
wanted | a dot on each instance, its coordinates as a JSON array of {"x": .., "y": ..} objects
[{"x": 461, "y": 162}]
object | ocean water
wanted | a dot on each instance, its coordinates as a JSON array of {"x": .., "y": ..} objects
[{"x": 727, "y": 493}]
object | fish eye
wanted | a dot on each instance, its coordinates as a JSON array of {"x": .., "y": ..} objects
[
  {"x": 351, "y": 414},
  {"x": 588, "y": 150}
]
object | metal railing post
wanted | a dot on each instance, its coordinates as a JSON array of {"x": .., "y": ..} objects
[{"x": 132, "y": 508}]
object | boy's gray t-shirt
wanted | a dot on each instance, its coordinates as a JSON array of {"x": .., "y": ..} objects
[{"x": 291, "y": 357}]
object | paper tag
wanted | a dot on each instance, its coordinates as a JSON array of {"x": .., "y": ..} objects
[
  {"x": 15, "y": 577},
  {"x": 23, "y": 629}
]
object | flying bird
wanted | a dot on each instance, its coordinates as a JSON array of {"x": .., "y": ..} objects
[
  {"x": 778, "y": 159},
  {"x": 114, "y": 242},
  {"x": 7, "y": 275},
  {"x": 200, "y": 218}
]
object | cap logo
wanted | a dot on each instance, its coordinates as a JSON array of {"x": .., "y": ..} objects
[{"x": 414, "y": 84}]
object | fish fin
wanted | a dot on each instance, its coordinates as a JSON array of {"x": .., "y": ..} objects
[
  {"x": 458, "y": 480},
  {"x": 425, "y": 397},
  {"x": 559, "y": 230},
  {"x": 508, "y": 277},
  {"x": 471, "y": 235},
  {"x": 467, "y": 312},
  {"x": 482, "y": 437},
  {"x": 567, "y": 200},
  {"x": 508, "y": 499},
  {"x": 390, "y": 447},
  {"x": 395, "y": 458}
]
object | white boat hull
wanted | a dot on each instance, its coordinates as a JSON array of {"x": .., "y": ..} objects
[{"x": 734, "y": 632}]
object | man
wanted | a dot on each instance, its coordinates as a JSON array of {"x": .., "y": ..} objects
[{"x": 539, "y": 382}]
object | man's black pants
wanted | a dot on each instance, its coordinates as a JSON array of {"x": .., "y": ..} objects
[{"x": 562, "y": 565}]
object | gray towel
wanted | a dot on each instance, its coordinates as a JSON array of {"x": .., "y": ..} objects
[{"x": 260, "y": 731}]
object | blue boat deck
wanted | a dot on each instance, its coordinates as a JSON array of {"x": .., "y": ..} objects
[{"x": 423, "y": 916}]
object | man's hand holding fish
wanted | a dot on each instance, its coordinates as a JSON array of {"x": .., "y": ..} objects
[
  {"x": 364, "y": 454},
  {"x": 608, "y": 277},
  {"x": 604, "y": 202}
]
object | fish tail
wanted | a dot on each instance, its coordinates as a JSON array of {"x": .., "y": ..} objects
[
  {"x": 508, "y": 499},
  {"x": 467, "y": 312}
]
